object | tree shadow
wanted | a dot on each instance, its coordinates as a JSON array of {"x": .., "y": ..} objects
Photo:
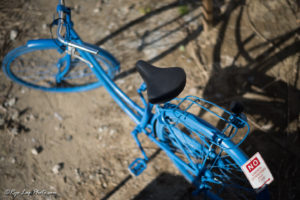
[
  {"x": 272, "y": 103},
  {"x": 139, "y": 20},
  {"x": 193, "y": 5},
  {"x": 167, "y": 186},
  {"x": 127, "y": 178}
]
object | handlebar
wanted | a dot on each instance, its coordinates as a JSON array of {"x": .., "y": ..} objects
[{"x": 62, "y": 39}]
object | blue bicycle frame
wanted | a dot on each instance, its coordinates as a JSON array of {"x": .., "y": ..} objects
[{"x": 142, "y": 116}]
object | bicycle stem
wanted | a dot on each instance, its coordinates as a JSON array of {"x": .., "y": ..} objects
[{"x": 61, "y": 39}]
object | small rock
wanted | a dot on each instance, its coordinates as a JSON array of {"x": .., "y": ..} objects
[
  {"x": 14, "y": 131},
  {"x": 104, "y": 185},
  {"x": 2, "y": 158},
  {"x": 91, "y": 176},
  {"x": 112, "y": 131},
  {"x": 77, "y": 8},
  {"x": 102, "y": 129},
  {"x": 10, "y": 102},
  {"x": 34, "y": 151},
  {"x": 97, "y": 10},
  {"x": 14, "y": 114},
  {"x": 13, "y": 160},
  {"x": 13, "y": 34},
  {"x": 23, "y": 90},
  {"x": 77, "y": 174},
  {"x": 130, "y": 88},
  {"x": 44, "y": 26},
  {"x": 37, "y": 150},
  {"x": 57, "y": 116},
  {"x": 69, "y": 137},
  {"x": 29, "y": 117},
  {"x": 267, "y": 126},
  {"x": 57, "y": 168}
]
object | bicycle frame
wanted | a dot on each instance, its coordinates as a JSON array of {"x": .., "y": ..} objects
[{"x": 143, "y": 117}]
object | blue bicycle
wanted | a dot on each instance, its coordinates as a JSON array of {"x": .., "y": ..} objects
[{"x": 207, "y": 154}]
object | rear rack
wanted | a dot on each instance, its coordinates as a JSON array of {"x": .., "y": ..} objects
[{"x": 229, "y": 124}]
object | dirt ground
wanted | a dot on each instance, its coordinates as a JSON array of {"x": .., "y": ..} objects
[{"x": 251, "y": 54}]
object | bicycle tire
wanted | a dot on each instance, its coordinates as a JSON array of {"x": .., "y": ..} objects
[
  {"x": 236, "y": 157},
  {"x": 34, "y": 65}
]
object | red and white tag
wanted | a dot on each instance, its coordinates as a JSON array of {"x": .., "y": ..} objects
[{"x": 257, "y": 172}]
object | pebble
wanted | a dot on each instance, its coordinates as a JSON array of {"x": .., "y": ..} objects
[
  {"x": 91, "y": 176},
  {"x": 14, "y": 114},
  {"x": 78, "y": 174},
  {"x": 44, "y": 26},
  {"x": 130, "y": 88},
  {"x": 15, "y": 131},
  {"x": 13, "y": 34},
  {"x": 29, "y": 117},
  {"x": 37, "y": 150},
  {"x": 23, "y": 90},
  {"x": 104, "y": 185},
  {"x": 57, "y": 116},
  {"x": 112, "y": 131},
  {"x": 34, "y": 151},
  {"x": 101, "y": 129},
  {"x": 10, "y": 102},
  {"x": 97, "y": 10},
  {"x": 77, "y": 8},
  {"x": 69, "y": 137},
  {"x": 57, "y": 168},
  {"x": 13, "y": 160}
]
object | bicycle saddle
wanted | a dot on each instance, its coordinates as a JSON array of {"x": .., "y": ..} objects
[{"x": 163, "y": 84}]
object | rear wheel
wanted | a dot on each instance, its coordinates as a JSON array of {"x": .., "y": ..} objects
[{"x": 213, "y": 169}]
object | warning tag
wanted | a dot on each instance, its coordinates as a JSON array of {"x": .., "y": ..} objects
[{"x": 257, "y": 172}]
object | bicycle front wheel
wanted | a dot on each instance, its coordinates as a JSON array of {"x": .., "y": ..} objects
[
  {"x": 213, "y": 169},
  {"x": 44, "y": 65}
]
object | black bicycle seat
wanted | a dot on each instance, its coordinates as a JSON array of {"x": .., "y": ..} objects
[{"x": 163, "y": 84}]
